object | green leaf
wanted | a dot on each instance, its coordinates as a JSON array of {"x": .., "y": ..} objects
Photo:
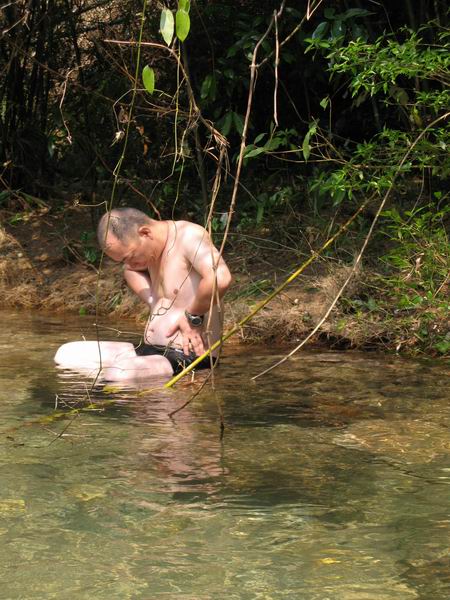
[
  {"x": 183, "y": 24},
  {"x": 238, "y": 123},
  {"x": 166, "y": 25},
  {"x": 254, "y": 152},
  {"x": 5, "y": 194},
  {"x": 288, "y": 57},
  {"x": 306, "y": 148},
  {"x": 184, "y": 5},
  {"x": 209, "y": 88},
  {"x": 225, "y": 123},
  {"x": 232, "y": 51},
  {"x": 259, "y": 137},
  {"x": 324, "y": 102},
  {"x": 273, "y": 144},
  {"x": 338, "y": 196},
  {"x": 355, "y": 12},
  {"x": 358, "y": 32},
  {"x": 148, "y": 77},
  {"x": 206, "y": 86},
  {"x": 320, "y": 31},
  {"x": 338, "y": 29}
]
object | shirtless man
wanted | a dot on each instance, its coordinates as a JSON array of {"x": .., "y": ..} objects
[{"x": 175, "y": 269}]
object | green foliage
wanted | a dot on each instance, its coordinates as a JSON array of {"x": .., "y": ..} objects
[
  {"x": 284, "y": 139},
  {"x": 417, "y": 266},
  {"x": 373, "y": 165},
  {"x": 89, "y": 247},
  {"x": 148, "y": 78},
  {"x": 377, "y": 67},
  {"x": 223, "y": 91},
  {"x": 182, "y": 20},
  {"x": 337, "y": 26},
  {"x": 265, "y": 206},
  {"x": 382, "y": 69},
  {"x": 420, "y": 254},
  {"x": 231, "y": 120},
  {"x": 406, "y": 302}
]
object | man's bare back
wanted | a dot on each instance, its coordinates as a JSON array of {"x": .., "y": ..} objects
[{"x": 175, "y": 269}]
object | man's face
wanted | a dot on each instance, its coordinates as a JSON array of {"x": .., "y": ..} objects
[{"x": 137, "y": 253}]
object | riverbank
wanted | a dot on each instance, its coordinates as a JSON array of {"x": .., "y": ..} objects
[{"x": 48, "y": 258}]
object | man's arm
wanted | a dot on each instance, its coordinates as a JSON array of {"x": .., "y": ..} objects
[
  {"x": 215, "y": 275},
  {"x": 139, "y": 282},
  {"x": 215, "y": 280}
]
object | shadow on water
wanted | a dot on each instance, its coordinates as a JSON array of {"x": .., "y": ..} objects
[{"x": 331, "y": 479}]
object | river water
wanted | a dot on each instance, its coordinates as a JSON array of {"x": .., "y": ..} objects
[{"x": 331, "y": 481}]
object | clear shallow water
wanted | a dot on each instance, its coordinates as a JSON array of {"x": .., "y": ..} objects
[{"x": 331, "y": 481}]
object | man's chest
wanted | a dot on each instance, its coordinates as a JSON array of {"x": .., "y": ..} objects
[{"x": 176, "y": 280}]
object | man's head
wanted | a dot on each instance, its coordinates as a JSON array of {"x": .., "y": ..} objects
[{"x": 128, "y": 235}]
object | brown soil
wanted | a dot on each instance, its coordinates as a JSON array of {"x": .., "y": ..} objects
[{"x": 42, "y": 266}]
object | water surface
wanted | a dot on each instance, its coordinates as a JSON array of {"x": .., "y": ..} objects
[{"x": 331, "y": 480}]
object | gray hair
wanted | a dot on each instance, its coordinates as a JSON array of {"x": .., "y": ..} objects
[{"x": 123, "y": 223}]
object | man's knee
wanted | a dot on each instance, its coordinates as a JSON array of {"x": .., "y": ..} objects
[{"x": 88, "y": 354}]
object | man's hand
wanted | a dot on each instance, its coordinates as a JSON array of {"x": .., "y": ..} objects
[{"x": 192, "y": 336}]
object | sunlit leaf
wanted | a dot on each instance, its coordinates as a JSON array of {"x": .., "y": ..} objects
[
  {"x": 183, "y": 24},
  {"x": 167, "y": 25},
  {"x": 148, "y": 77},
  {"x": 184, "y": 5}
]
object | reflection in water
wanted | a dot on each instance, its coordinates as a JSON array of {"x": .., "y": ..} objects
[{"x": 331, "y": 480}]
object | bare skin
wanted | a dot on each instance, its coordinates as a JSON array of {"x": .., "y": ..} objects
[{"x": 173, "y": 267}]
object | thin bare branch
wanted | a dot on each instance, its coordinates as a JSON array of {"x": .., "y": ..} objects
[{"x": 277, "y": 62}]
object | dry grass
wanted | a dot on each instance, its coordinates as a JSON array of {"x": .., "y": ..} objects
[{"x": 34, "y": 274}]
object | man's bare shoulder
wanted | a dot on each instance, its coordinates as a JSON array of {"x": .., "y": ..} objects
[{"x": 190, "y": 232}]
